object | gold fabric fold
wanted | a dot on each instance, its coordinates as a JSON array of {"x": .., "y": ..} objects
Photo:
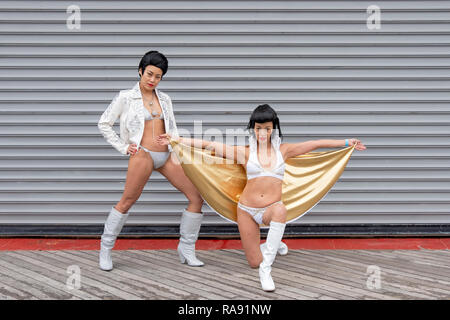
[{"x": 307, "y": 178}]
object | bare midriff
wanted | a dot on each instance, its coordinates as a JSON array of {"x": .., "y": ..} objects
[{"x": 261, "y": 192}]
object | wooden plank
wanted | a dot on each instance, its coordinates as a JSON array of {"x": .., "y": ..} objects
[
  {"x": 347, "y": 273},
  {"x": 284, "y": 286},
  {"x": 441, "y": 290},
  {"x": 406, "y": 276},
  {"x": 11, "y": 293},
  {"x": 439, "y": 254},
  {"x": 327, "y": 298},
  {"x": 124, "y": 284},
  {"x": 435, "y": 269},
  {"x": 20, "y": 282},
  {"x": 438, "y": 267},
  {"x": 6, "y": 297},
  {"x": 389, "y": 286},
  {"x": 351, "y": 259},
  {"x": 241, "y": 270},
  {"x": 295, "y": 278},
  {"x": 224, "y": 279},
  {"x": 237, "y": 264},
  {"x": 154, "y": 277},
  {"x": 54, "y": 289},
  {"x": 179, "y": 276},
  {"x": 161, "y": 291},
  {"x": 164, "y": 275},
  {"x": 158, "y": 290},
  {"x": 405, "y": 265},
  {"x": 339, "y": 274},
  {"x": 344, "y": 285},
  {"x": 158, "y": 274},
  {"x": 184, "y": 273},
  {"x": 246, "y": 276},
  {"x": 221, "y": 282},
  {"x": 319, "y": 269},
  {"x": 60, "y": 273},
  {"x": 332, "y": 287},
  {"x": 441, "y": 261},
  {"x": 385, "y": 268}
]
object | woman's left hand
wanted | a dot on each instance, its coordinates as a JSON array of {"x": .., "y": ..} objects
[
  {"x": 358, "y": 143},
  {"x": 163, "y": 139}
]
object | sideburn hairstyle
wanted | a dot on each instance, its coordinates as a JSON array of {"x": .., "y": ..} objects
[
  {"x": 264, "y": 113},
  {"x": 156, "y": 59}
]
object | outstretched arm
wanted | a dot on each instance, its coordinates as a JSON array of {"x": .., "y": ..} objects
[
  {"x": 296, "y": 149},
  {"x": 220, "y": 149}
]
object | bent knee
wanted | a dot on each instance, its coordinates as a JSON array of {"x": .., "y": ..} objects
[{"x": 279, "y": 213}]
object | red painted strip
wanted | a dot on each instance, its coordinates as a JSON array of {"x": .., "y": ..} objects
[{"x": 11, "y": 244}]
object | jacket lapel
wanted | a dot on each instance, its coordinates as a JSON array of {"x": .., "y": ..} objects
[
  {"x": 163, "y": 104},
  {"x": 139, "y": 104}
]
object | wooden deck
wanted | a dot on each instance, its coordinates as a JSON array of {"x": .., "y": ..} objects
[{"x": 157, "y": 274}]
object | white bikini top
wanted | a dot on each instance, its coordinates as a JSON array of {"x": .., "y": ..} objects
[
  {"x": 148, "y": 116},
  {"x": 254, "y": 168}
]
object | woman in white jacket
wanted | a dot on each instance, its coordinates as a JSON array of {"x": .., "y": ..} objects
[{"x": 145, "y": 112}]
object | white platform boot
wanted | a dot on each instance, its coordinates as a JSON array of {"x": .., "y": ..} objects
[
  {"x": 189, "y": 229},
  {"x": 274, "y": 237},
  {"x": 282, "y": 249},
  {"x": 113, "y": 226}
]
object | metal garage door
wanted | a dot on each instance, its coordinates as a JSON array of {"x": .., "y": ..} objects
[{"x": 317, "y": 62}]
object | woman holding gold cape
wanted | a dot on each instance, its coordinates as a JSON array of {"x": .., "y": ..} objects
[{"x": 260, "y": 202}]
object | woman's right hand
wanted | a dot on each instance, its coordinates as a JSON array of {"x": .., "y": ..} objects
[
  {"x": 163, "y": 139},
  {"x": 132, "y": 149}
]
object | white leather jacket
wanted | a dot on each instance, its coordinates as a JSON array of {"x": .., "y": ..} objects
[{"x": 128, "y": 105}]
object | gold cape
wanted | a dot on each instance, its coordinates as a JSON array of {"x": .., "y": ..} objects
[{"x": 307, "y": 178}]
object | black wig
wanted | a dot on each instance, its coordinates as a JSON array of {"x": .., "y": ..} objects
[
  {"x": 156, "y": 59},
  {"x": 264, "y": 113}
]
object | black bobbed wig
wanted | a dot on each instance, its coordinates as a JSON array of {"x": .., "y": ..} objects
[
  {"x": 264, "y": 113},
  {"x": 156, "y": 59}
]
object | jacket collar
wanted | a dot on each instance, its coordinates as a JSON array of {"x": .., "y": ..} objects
[{"x": 136, "y": 92}]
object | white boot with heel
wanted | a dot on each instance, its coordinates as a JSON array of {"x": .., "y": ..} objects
[
  {"x": 269, "y": 253},
  {"x": 113, "y": 226},
  {"x": 189, "y": 229}
]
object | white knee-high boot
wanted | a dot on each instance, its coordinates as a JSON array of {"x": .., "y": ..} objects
[
  {"x": 113, "y": 226},
  {"x": 274, "y": 237},
  {"x": 282, "y": 249},
  {"x": 189, "y": 229}
]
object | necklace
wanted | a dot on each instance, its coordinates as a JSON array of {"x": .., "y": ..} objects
[
  {"x": 151, "y": 101},
  {"x": 154, "y": 113}
]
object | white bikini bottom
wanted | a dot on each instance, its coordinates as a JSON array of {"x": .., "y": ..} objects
[
  {"x": 256, "y": 213},
  {"x": 159, "y": 157}
]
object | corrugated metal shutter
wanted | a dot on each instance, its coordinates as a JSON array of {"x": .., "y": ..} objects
[{"x": 316, "y": 62}]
